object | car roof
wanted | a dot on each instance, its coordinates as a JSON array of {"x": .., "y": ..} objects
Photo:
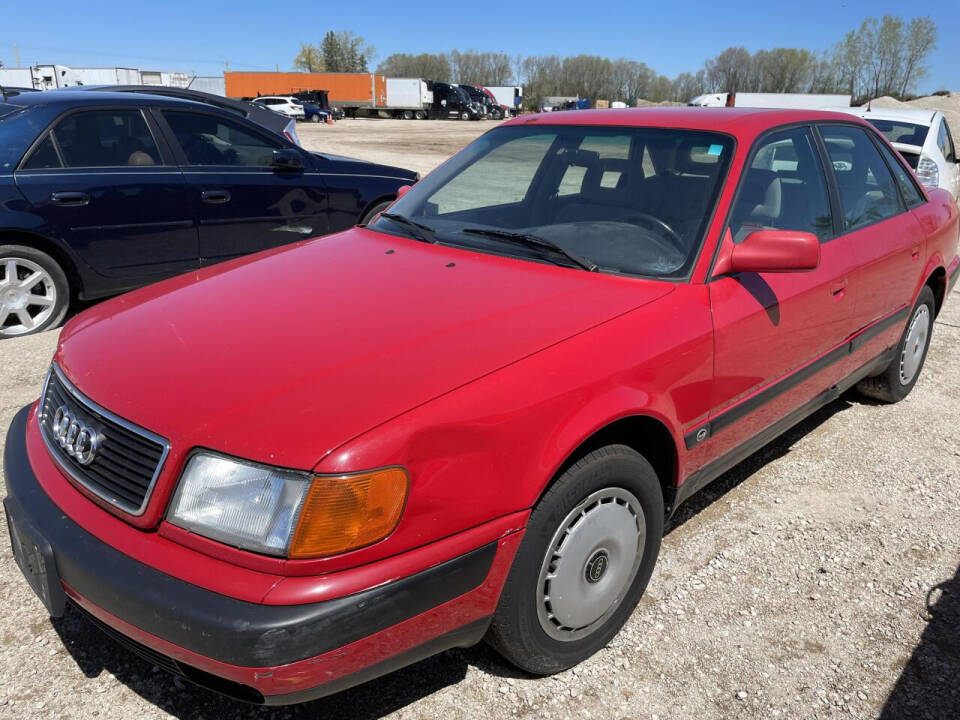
[
  {"x": 95, "y": 97},
  {"x": 913, "y": 115},
  {"x": 739, "y": 122}
]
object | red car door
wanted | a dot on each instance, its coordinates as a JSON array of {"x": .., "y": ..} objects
[
  {"x": 885, "y": 237},
  {"x": 773, "y": 330}
]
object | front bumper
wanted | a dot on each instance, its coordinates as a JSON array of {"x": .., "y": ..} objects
[{"x": 272, "y": 654}]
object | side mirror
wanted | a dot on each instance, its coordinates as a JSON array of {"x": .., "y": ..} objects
[
  {"x": 403, "y": 190},
  {"x": 287, "y": 160},
  {"x": 776, "y": 251}
]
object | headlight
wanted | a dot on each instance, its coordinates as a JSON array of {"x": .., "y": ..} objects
[
  {"x": 927, "y": 172},
  {"x": 285, "y": 512}
]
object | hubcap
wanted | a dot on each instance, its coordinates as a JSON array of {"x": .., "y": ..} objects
[
  {"x": 590, "y": 564},
  {"x": 27, "y": 296},
  {"x": 915, "y": 345}
]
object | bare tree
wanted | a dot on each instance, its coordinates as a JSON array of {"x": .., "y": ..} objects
[
  {"x": 430, "y": 66},
  {"x": 921, "y": 39},
  {"x": 729, "y": 71}
]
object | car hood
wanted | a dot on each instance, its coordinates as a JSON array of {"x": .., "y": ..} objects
[
  {"x": 283, "y": 356},
  {"x": 349, "y": 166}
]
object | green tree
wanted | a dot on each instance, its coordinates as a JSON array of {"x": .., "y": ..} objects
[
  {"x": 921, "y": 39},
  {"x": 309, "y": 59},
  {"x": 345, "y": 52}
]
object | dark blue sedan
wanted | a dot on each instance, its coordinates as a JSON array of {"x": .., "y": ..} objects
[{"x": 103, "y": 192}]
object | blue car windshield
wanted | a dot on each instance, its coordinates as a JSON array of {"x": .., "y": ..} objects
[{"x": 626, "y": 200}]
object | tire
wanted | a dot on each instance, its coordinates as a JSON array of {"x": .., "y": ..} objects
[
  {"x": 315, "y": 118},
  {"x": 619, "y": 487},
  {"x": 496, "y": 115},
  {"x": 420, "y": 115},
  {"x": 374, "y": 211},
  {"x": 28, "y": 309},
  {"x": 408, "y": 114},
  {"x": 464, "y": 115},
  {"x": 898, "y": 378}
]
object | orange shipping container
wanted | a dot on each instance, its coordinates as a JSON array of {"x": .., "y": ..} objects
[{"x": 345, "y": 89}]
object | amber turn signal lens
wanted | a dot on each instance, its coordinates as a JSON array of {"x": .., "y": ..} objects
[{"x": 346, "y": 512}]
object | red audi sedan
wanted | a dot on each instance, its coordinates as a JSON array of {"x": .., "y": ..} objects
[{"x": 471, "y": 418}]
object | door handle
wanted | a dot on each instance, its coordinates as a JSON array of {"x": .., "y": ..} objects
[
  {"x": 70, "y": 198},
  {"x": 839, "y": 289},
  {"x": 215, "y": 197}
]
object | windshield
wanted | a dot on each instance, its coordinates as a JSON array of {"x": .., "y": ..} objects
[
  {"x": 898, "y": 131},
  {"x": 624, "y": 199}
]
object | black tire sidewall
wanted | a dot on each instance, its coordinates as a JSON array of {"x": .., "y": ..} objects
[
  {"x": 372, "y": 212},
  {"x": 59, "y": 280},
  {"x": 533, "y": 649}
]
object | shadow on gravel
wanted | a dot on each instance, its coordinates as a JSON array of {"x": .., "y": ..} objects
[
  {"x": 929, "y": 686},
  {"x": 767, "y": 454},
  {"x": 94, "y": 652}
]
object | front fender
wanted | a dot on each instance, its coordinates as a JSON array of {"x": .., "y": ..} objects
[{"x": 489, "y": 448}]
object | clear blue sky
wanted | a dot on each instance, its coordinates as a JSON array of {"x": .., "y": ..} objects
[{"x": 671, "y": 36}]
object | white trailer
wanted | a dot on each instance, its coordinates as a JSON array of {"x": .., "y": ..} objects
[
  {"x": 805, "y": 101},
  {"x": 510, "y": 96},
  {"x": 407, "y": 98}
]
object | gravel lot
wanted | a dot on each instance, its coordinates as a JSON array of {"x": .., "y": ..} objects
[{"x": 818, "y": 579}]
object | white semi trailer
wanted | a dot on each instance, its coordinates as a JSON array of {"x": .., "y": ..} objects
[
  {"x": 805, "y": 101},
  {"x": 510, "y": 96}
]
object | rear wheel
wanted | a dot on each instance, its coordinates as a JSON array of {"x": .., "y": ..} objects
[
  {"x": 408, "y": 114},
  {"x": 34, "y": 294},
  {"x": 585, "y": 560},
  {"x": 420, "y": 115},
  {"x": 898, "y": 378}
]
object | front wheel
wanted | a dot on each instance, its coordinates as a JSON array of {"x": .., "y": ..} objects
[
  {"x": 374, "y": 211},
  {"x": 34, "y": 294},
  {"x": 898, "y": 378},
  {"x": 585, "y": 560},
  {"x": 315, "y": 118},
  {"x": 464, "y": 115}
]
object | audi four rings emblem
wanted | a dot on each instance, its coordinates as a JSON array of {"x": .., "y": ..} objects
[{"x": 77, "y": 440}]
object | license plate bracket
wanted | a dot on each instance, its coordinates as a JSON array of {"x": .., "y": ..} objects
[{"x": 34, "y": 557}]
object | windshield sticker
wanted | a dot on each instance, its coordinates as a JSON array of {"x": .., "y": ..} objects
[{"x": 715, "y": 150}]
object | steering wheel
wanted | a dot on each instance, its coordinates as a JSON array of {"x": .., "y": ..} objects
[{"x": 657, "y": 222}]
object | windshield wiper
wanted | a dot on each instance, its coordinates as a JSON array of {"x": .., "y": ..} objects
[
  {"x": 535, "y": 241},
  {"x": 421, "y": 232}
]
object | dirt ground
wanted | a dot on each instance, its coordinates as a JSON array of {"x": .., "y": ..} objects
[{"x": 817, "y": 579}]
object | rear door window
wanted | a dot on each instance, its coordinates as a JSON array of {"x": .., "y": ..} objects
[
  {"x": 103, "y": 138},
  {"x": 784, "y": 188},
  {"x": 868, "y": 193}
]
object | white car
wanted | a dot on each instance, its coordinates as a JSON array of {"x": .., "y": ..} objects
[
  {"x": 923, "y": 139},
  {"x": 291, "y": 107}
]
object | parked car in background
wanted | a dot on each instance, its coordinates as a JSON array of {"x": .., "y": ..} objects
[
  {"x": 291, "y": 107},
  {"x": 104, "y": 192},
  {"x": 313, "y": 112},
  {"x": 255, "y": 113},
  {"x": 924, "y": 140},
  {"x": 473, "y": 417}
]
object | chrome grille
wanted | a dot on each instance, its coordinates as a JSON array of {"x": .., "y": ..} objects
[{"x": 127, "y": 459}]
